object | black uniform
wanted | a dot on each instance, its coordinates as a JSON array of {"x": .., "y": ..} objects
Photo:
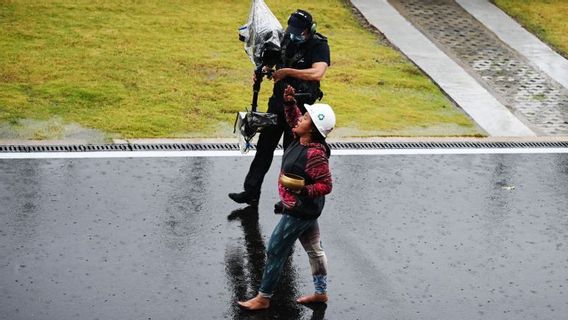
[{"x": 302, "y": 56}]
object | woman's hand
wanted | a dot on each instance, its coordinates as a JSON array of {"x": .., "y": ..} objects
[
  {"x": 289, "y": 94},
  {"x": 297, "y": 191}
]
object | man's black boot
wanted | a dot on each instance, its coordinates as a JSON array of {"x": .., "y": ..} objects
[{"x": 245, "y": 197}]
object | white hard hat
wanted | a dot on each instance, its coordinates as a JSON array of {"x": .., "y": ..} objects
[{"x": 322, "y": 116}]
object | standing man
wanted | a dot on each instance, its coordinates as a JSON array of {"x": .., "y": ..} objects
[{"x": 305, "y": 59}]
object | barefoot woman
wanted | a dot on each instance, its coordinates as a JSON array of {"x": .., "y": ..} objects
[{"x": 307, "y": 156}]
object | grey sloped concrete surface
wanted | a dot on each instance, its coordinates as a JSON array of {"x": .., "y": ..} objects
[
  {"x": 518, "y": 38},
  {"x": 476, "y": 101},
  {"x": 512, "y": 79}
]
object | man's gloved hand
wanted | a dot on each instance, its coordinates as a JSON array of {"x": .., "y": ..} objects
[
  {"x": 278, "y": 207},
  {"x": 266, "y": 70}
]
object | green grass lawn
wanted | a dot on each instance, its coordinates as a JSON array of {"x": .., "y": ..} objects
[
  {"x": 151, "y": 68},
  {"x": 547, "y": 19}
]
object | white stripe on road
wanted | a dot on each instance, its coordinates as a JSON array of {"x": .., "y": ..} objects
[{"x": 346, "y": 152}]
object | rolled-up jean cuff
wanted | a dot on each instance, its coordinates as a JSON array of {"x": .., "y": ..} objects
[{"x": 265, "y": 295}]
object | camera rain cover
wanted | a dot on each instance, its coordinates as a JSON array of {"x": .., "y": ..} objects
[
  {"x": 248, "y": 123},
  {"x": 261, "y": 33}
]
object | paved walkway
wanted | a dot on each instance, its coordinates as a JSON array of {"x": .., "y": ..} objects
[
  {"x": 518, "y": 38},
  {"x": 501, "y": 89},
  {"x": 487, "y": 111}
]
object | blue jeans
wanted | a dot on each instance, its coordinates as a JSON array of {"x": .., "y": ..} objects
[{"x": 282, "y": 241}]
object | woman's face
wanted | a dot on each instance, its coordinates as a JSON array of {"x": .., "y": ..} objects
[{"x": 304, "y": 126}]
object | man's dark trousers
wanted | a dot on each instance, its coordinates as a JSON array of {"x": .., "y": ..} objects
[{"x": 267, "y": 143}]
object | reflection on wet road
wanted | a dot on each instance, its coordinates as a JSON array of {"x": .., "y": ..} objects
[
  {"x": 407, "y": 237},
  {"x": 245, "y": 272}
]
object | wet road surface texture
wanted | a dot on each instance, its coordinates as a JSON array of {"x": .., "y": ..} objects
[{"x": 407, "y": 237}]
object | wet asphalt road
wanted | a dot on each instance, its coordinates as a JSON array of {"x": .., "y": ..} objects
[{"x": 407, "y": 237}]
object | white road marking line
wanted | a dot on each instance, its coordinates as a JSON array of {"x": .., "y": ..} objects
[{"x": 345, "y": 152}]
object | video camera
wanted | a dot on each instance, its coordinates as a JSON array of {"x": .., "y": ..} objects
[
  {"x": 266, "y": 46},
  {"x": 262, "y": 35}
]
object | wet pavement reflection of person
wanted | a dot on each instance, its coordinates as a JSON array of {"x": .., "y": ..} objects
[{"x": 244, "y": 271}]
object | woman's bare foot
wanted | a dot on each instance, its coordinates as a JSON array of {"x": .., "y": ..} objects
[
  {"x": 257, "y": 303},
  {"x": 313, "y": 298}
]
